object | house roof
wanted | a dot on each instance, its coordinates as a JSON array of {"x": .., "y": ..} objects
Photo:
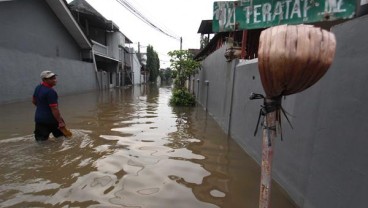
[
  {"x": 127, "y": 40},
  {"x": 93, "y": 16},
  {"x": 61, "y": 10},
  {"x": 84, "y": 7},
  {"x": 205, "y": 27},
  {"x": 194, "y": 51},
  {"x": 210, "y": 47}
]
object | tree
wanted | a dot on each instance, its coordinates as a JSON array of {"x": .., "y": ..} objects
[
  {"x": 204, "y": 41},
  {"x": 185, "y": 66},
  {"x": 153, "y": 63},
  {"x": 166, "y": 74},
  {"x": 182, "y": 61}
]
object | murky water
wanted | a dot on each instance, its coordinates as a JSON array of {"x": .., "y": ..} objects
[{"x": 129, "y": 149}]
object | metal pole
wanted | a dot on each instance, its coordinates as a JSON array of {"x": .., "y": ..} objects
[
  {"x": 207, "y": 89},
  {"x": 244, "y": 44},
  {"x": 198, "y": 90},
  {"x": 181, "y": 43},
  {"x": 268, "y": 137},
  {"x": 235, "y": 63}
]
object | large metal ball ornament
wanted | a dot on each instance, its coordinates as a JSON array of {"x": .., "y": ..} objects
[{"x": 292, "y": 58}]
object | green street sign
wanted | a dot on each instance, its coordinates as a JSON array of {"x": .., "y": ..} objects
[{"x": 252, "y": 14}]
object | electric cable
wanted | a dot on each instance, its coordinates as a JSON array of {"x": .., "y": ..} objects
[{"x": 140, "y": 16}]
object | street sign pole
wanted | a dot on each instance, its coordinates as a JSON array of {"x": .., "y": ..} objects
[
  {"x": 268, "y": 137},
  {"x": 289, "y": 62}
]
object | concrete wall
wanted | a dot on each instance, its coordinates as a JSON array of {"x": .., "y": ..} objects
[
  {"x": 322, "y": 162},
  {"x": 215, "y": 78},
  {"x": 136, "y": 70},
  {"x": 30, "y": 26},
  {"x": 113, "y": 41},
  {"x": 32, "y": 40},
  {"x": 20, "y": 73}
]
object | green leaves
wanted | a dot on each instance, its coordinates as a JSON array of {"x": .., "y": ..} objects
[
  {"x": 182, "y": 61},
  {"x": 181, "y": 97},
  {"x": 184, "y": 66},
  {"x": 153, "y": 63}
]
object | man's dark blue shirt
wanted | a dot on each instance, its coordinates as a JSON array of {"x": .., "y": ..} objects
[{"x": 46, "y": 97}]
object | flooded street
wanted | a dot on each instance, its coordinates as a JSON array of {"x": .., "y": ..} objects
[{"x": 129, "y": 149}]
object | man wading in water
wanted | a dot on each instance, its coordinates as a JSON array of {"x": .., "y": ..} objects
[{"x": 47, "y": 117}]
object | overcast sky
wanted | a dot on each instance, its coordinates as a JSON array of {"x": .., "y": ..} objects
[{"x": 179, "y": 18}]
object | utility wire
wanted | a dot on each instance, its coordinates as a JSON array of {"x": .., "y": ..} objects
[
  {"x": 141, "y": 8},
  {"x": 140, "y": 16}
]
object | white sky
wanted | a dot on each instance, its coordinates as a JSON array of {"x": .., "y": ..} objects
[{"x": 179, "y": 18}]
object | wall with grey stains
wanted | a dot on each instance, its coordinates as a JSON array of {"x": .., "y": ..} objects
[
  {"x": 32, "y": 39},
  {"x": 30, "y": 26},
  {"x": 213, "y": 80},
  {"x": 323, "y": 160},
  {"x": 20, "y": 73}
]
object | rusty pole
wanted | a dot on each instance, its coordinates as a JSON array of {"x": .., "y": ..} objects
[
  {"x": 269, "y": 134},
  {"x": 244, "y": 44}
]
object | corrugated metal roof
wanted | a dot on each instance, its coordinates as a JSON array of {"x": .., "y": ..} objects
[
  {"x": 83, "y": 7},
  {"x": 205, "y": 27}
]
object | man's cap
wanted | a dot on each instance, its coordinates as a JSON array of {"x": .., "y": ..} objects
[{"x": 47, "y": 74}]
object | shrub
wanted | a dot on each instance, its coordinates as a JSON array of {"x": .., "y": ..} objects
[{"x": 181, "y": 97}]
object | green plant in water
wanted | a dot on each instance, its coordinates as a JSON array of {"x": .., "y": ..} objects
[
  {"x": 181, "y": 97},
  {"x": 184, "y": 66}
]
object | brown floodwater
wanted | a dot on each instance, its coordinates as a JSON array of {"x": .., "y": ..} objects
[{"x": 129, "y": 149}]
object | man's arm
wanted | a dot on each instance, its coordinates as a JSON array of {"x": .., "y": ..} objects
[
  {"x": 34, "y": 101},
  {"x": 56, "y": 113}
]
